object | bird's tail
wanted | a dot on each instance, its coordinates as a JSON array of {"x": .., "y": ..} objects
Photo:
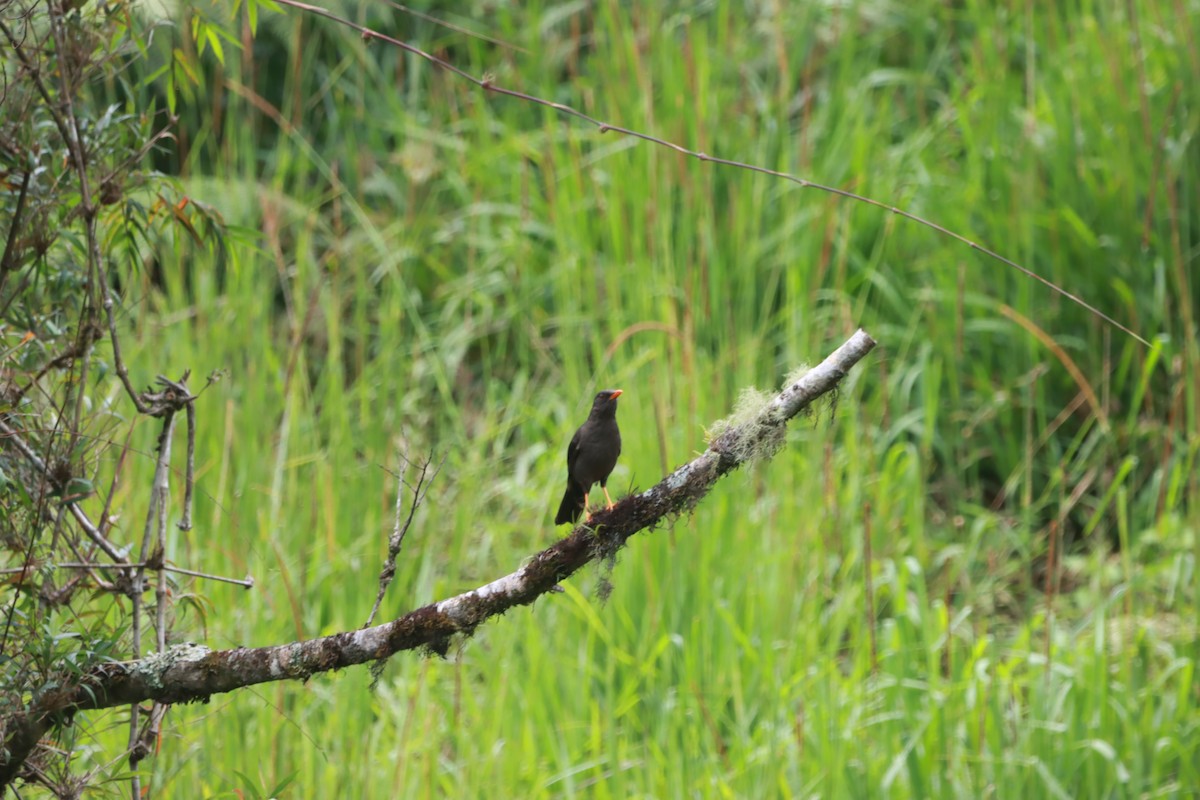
[{"x": 572, "y": 505}]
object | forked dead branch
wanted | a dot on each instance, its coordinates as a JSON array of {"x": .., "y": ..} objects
[{"x": 192, "y": 672}]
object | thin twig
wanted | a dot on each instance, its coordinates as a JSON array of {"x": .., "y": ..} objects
[
  {"x": 58, "y": 362},
  {"x": 160, "y": 490},
  {"x": 135, "y": 706},
  {"x": 154, "y": 531},
  {"x": 85, "y": 333},
  {"x": 118, "y": 362},
  {"x": 424, "y": 480},
  {"x": 81, "y": 518},
  {"x": 148, "y": 738},
  {"x": 160, "y": 591},
  {"x": 247, "y": 582},
  {"x": 88, "y": 563},
  {"x": 488, "y": 84},
  {"x": 106, "y": 515},
  {"x": 189, "y": 480},
  {"x": 27, "y": 562},
  {"x": 7, "y": 261}
]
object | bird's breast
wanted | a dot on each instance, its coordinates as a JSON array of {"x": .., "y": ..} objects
[{"x": 597, "y": 451}]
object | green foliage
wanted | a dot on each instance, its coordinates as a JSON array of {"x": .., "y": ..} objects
[
  {"x": 80, "y": 211},
  {"x": 440, "y": 266}
]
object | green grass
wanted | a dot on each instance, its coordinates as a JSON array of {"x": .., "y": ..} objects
[{"x": 443, "y": 269}]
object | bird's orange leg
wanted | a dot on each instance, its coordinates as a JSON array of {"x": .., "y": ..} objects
[
  {"x": 585, "y": 505},
  {"x": 606, "y": 497}
]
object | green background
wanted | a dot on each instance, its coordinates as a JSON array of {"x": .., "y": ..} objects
[{"x": 415, "y": 264}]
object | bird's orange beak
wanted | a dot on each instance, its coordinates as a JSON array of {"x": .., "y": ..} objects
[{"x": 617, "y": 393}]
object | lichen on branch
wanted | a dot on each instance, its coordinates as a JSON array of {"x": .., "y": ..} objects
[{"x": 192, "y": 673}]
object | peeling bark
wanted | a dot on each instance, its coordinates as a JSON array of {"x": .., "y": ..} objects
[{"x": 192, "y": 673}]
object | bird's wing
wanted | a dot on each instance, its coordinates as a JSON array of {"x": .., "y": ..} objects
[{"x": 573, "y": 451}]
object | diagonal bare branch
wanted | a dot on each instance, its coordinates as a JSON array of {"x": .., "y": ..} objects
[{"x": 191, "y": 672}]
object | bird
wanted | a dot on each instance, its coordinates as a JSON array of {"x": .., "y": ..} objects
[{"x": 591, "y": 456}]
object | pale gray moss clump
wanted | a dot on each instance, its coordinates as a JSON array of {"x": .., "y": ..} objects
[
  {"x": 749, "y": 434},
  {"x": 744, "y": 434},
  {"x": 795, "y": 375},
  {"x": 749, "y": 405}
]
